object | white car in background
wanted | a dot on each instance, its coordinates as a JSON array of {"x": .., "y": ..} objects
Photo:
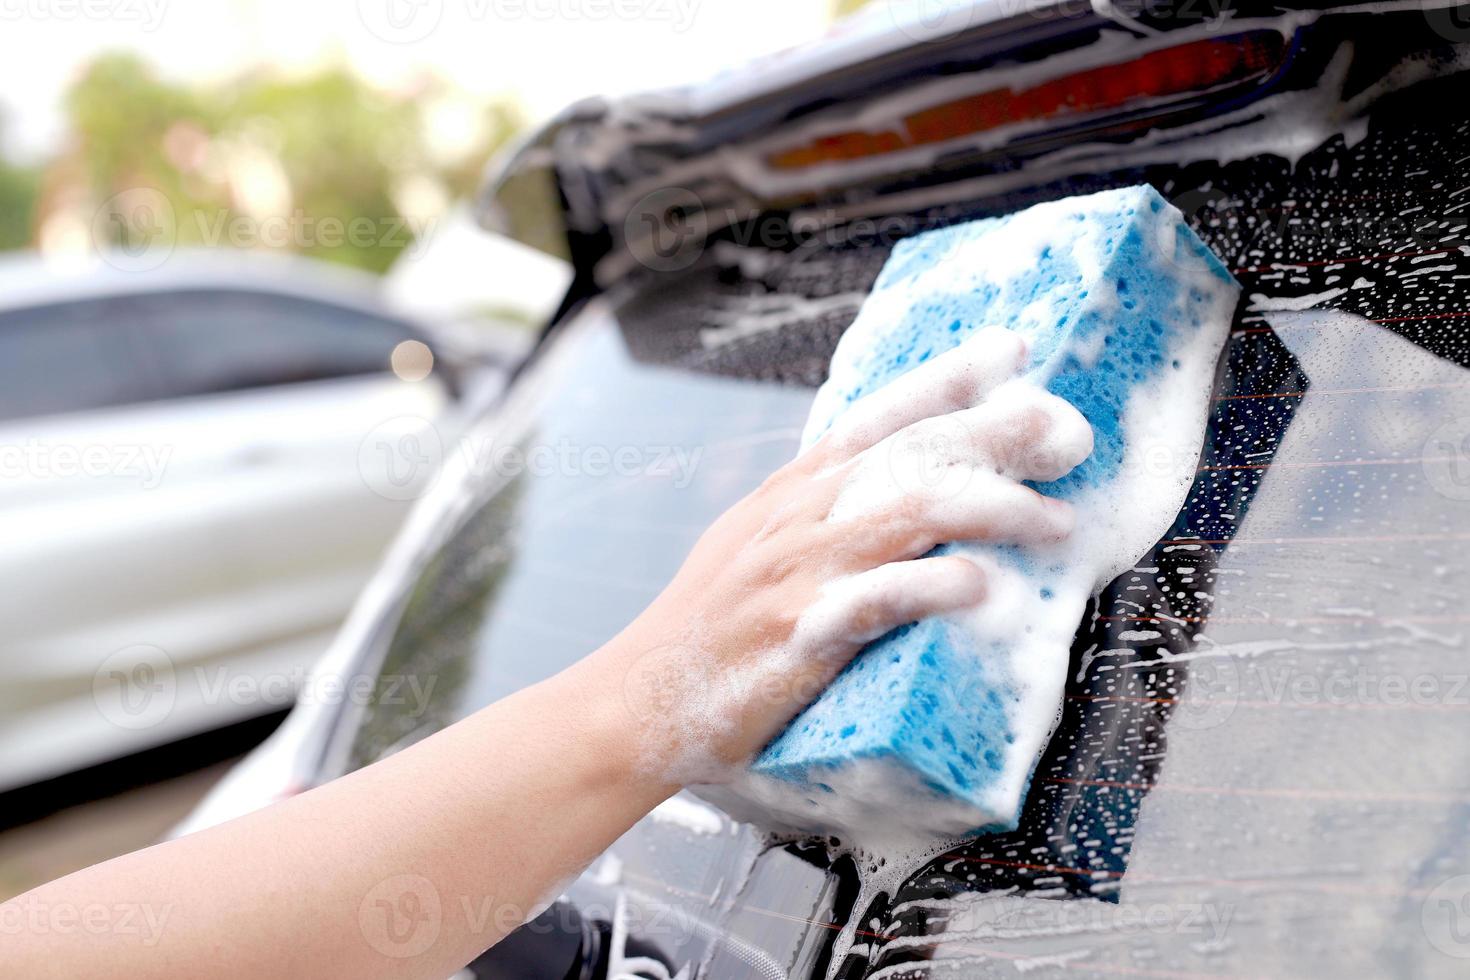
[{"x": 199, "y": 468}]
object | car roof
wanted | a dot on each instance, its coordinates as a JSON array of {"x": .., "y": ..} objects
[{"x": 34, "y": 279}]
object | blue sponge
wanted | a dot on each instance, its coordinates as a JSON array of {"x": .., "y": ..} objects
[{"x": 937, "y": 727}]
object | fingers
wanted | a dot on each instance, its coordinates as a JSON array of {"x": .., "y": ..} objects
[
  {"x": 956, "y": 477},
  {"x": 1022, "y": 431},
  {"x": 994, "y": 510},
  {"x": 957, "y": 379},
  {"x": 862, "y": 607},
  {"x": 999, "y": 511}
]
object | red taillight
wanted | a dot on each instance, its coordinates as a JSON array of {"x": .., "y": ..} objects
[{"x": 1187, "y": 68}]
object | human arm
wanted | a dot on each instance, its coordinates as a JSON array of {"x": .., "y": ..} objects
[{"x": 478, "y": 824}]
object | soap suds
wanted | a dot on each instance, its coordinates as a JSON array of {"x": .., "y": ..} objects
[
  {"x": 895, "y": 767},
  {"x": 971, "y": 459},
  {"x": 1261, "y": 303}
]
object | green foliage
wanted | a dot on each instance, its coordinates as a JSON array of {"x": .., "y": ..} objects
[
  {"x": 119, "y": 112},
  {"x": 18, "y": 189},
  {"x": 316, "y": 164},
  {"x": 341, "y": 147}
]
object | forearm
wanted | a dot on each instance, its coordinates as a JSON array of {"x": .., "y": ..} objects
[
  {"x": 412, "y": 866},
  {"x": 408, "y": 868}
]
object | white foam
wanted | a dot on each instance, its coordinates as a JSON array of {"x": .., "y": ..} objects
[{"x": 877, "y": 804}]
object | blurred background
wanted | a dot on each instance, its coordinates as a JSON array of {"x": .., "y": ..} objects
[{"x": 243, "y": 313}]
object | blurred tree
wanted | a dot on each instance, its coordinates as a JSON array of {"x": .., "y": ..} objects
[
  {"x": 19, "y": 187},
  {"x": 341, "y": 149},
  {"x": 324, "y": 165},
  {"x": 119, "y": 113}
]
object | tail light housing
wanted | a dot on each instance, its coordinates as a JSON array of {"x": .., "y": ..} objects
[{"x": 1167, "y": 75}]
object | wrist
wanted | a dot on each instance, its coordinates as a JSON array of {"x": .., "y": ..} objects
[{"x": 617, "y": 728}]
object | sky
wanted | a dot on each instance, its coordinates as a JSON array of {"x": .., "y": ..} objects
[{"x": 546, "y": 53}]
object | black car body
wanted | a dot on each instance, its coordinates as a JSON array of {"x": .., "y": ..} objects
[{"x": 1263, "y": 764}]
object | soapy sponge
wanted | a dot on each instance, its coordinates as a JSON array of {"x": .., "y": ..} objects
[{"x": 937, "y": 727}]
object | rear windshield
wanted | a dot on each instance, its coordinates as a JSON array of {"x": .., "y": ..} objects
[{"x": 1263, "y": 764}]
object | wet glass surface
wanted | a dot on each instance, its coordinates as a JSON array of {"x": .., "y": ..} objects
[
  {"x": 1263, "y": 762},
  {"x": 559, "y": 558}
]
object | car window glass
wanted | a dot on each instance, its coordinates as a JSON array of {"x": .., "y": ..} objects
[
  {"x": 593, "y": 493},
  {"x": 71, "y": 357},
  {"x": 1259, "y": 768},
  {"x": 215, "y": 341},
  {"x": 120, "y": 350}
]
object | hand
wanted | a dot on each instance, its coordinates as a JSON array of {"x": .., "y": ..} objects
[
  {"x": 494, "y": 813},
  {"x": 826, "y": 555}
]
